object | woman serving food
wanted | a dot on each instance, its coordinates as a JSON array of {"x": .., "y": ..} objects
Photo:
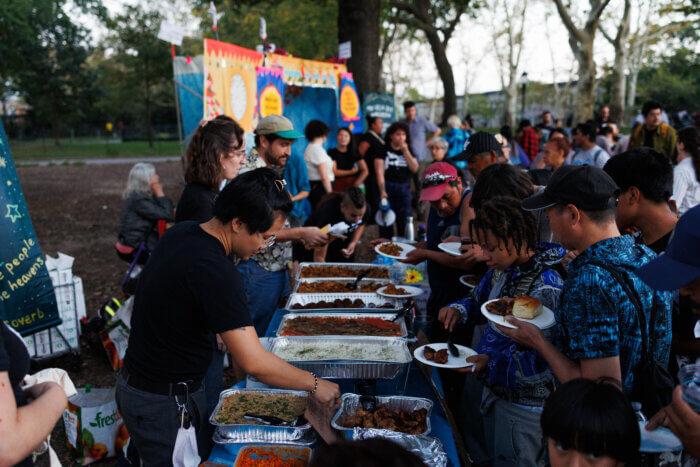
[{"x": 189, "y": 291}]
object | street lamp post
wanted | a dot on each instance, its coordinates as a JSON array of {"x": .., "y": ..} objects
[{"x": 523, "y": 88}]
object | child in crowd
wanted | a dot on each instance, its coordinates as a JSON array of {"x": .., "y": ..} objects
[
  {"x": 590, "y": 423},
  {"x": 516, "y": 381}
]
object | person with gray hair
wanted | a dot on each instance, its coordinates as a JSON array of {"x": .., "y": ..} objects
[
  {"x": 456, "y": 137},
  {"x": 144, "y": 204}
]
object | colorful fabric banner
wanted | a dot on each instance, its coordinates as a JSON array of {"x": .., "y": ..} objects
[
  {"x": 350, "y": 110},
  {"x": 27, "y": 300},
  {"x": 270, "y": 91}
]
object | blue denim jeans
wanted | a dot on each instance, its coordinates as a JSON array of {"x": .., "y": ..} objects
[
  {"x": 152, "y": 422},
  {"x": 400, "y": 200},
  {"x": 263, "y": 290}
]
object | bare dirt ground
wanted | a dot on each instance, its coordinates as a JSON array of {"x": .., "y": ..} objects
[{"x": 75, "y": 210}]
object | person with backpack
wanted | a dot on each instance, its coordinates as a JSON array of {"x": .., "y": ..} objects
[
  {"x": 588, "y": 152},
  {"x": 609, "y": 322},
  {"x": 653, "y": 133}
]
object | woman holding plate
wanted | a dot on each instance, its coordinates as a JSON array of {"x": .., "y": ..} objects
[{"x": 516, "y": 382}]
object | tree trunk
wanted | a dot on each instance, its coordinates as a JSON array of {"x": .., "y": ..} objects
[
  {"x": 511, "y": 103},
  {"x": 617, "y": 90},
  {"x": 358, "y": 22},
  {"x": 585, "y": 90},
  {"x": 444, "y": 68}
]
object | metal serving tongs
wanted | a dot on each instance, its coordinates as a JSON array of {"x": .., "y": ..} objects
[
  {"x": 360, "y": 276},
  {"x": 407, "y": 307},
  {"x": 274, "y": 421},
  {"x": 368, "y": 403}
]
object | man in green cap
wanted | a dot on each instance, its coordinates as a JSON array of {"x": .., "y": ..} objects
[{"x": 265, "y": 275}]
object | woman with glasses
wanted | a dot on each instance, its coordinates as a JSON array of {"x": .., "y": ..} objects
[{"x": 189, "y": 291}]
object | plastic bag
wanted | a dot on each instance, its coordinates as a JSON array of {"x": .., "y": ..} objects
[
  {"x": 115, "y": 339},
  {"x": 94, "y": 429}
]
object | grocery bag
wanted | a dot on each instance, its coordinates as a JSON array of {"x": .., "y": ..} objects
[
  {"x": 115, "y": 339},
  {"x": 94, "y": 429}
]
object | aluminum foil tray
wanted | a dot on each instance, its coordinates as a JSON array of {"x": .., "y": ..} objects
[
  {"x": 259, "y": 433},
  {"x": 387, "y": 316},
  {"x": 372, "y": 301},
  {"x": 358, "y": 266},
  {"x": 350, "y": 369},
  {"x": 226, "y": 438},
  {"x": 351, "y": 402},
  {"x": 344, "y": 280}
]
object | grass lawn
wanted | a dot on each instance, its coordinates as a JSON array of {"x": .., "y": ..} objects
[{"x": 87, "y": 148}]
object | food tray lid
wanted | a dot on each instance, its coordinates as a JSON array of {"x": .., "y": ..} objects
[
  {"x": 386, "y": 316},
  {"x": 228, "y": 392},
  {"x": 308, "y": 439}
]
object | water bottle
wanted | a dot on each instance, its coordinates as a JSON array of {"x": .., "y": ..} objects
[{"x": 410, "y": 233}]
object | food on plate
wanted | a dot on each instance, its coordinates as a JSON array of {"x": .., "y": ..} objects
[
  {"x": 473, "y": 280},
  {"x": 309, "y": 271},
  {"x": 411, "y": 422},
  {"x": 429, "y": 353},
  {"x": 524, "y": 307},
  {"x": 236, "y": 405},
  {"x": 322, "y": 326},
  {"x": 441, "y": 356},
  {"x": 337, "y": 287},
  {"x": 391, "y": 249},
  {"x": 391, "y": 289},
  {"x": 303, "y": 350},
  {"x": 278, "y": 456},
  {"x": 339, "y": 303}
]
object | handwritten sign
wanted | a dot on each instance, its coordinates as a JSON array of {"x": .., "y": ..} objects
[
  {"x": 380, "y": 105},
  {"x": 270, "y": 91},
  {"x": 172, "y": 33},
  {"x": 27, "y": 300},
  {"x": 350, "y": 111}
]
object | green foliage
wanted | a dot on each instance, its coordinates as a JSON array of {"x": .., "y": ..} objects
[
  {"x": 480, "y": 106},
  {"x": 304, "y": 28},
  {"x": 674, "y": 81},
  {"x": 89, "y": 148}
]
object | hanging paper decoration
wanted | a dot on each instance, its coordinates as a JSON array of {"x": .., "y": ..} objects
[
  {"x": 350, "y": 111},
  {"x": 212, "y": 13},
  {"x": 270, "y": 91},
  {"x": 213, "y": 107}
]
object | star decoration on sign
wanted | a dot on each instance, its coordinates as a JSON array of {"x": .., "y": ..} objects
[
  {"x": 13, "y": 212},
  {"x": 3, "y": 163}
]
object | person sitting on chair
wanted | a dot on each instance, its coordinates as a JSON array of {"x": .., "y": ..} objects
[{"x": 145, "y": 203}]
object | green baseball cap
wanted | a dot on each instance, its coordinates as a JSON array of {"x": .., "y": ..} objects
[{"x": 277, "y": 125}]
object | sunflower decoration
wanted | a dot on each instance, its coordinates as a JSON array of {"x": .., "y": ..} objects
[{"x": 413, "y": 276}]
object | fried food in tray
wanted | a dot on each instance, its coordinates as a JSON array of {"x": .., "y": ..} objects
[
  {"x": 524, "y": 307},
  {"x": 328, "y": 326},
  {"x": 311, "y": 271},
  {"x": 338, "y": 303},
  {"x": 337, "y": 287},
  {"x": 391, "y": 289},
  {"x": 391, "y": 249},
  {"x": 235, "y": 406},
  {"x": 410, "y": 422}
]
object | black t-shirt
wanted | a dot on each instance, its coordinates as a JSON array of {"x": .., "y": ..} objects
[
  {"x": 395, "y": 166},
  {"x": 14, "y": 359},
  {"x": 658, "y": 246},
  {"x": 375, "y": 150},
  {"x": 344, "y": 160},
  {"x": 329, "y": 213},
  {"x": 196, "y": 204},
  {"x": 188, "y": 292}
]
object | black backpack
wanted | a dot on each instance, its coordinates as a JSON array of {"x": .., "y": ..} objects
[{"x": 653, "y": 383}]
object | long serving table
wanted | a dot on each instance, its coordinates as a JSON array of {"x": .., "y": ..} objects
[{"x": 416, "y": 386}]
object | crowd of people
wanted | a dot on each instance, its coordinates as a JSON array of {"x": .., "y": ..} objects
[{"x": 602, "y": 228}]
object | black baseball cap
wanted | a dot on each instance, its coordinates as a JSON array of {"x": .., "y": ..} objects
[
  {"x": 478, "y": 143},
  {"x": 586, "y": 187}
]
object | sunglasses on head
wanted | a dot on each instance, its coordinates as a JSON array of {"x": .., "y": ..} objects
[{"x": 437, "y": 179}]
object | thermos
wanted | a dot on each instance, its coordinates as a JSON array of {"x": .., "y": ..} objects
[{"x": 410, "y": 233}]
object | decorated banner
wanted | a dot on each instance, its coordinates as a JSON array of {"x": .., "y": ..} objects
[
  {"x": 350, "y": 111},
  {"x": 27, "y": 300},
  {"x": 270, "y": 91},
  {"x": 379, "y": 105}
]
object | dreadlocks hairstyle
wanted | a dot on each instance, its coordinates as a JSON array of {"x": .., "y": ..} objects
[
  {"x": 507, "y": 221},
  {"x": 501, "y": 180},
  {"x": 212, "y": 139}
]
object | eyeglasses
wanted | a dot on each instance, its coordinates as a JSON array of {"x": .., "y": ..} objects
[
  {"x": 280, "y": 184},
  {"x": 436, "y": 179}
]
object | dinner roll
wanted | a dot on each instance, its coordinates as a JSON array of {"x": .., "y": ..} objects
[{"x": 526, "y": 307}]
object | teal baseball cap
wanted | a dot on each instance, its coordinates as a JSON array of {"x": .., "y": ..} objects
[{"x": 277, "y": 125}]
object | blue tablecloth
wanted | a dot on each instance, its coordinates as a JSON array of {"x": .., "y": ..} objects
[{"x": 416, "y": 386}]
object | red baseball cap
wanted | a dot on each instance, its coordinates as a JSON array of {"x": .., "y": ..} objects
[{"x": 435, "y": 179}]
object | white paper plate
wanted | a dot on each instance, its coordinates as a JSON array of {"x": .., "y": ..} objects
[
  {"x": 543, "y": 321},
  {"x": 405, "y": 248},
  {"x": 412, "y": 291},
  {"x": 452, "y": 361},
  {"x": 451, "y": 248},
  {"x": 464, "y": 278}
]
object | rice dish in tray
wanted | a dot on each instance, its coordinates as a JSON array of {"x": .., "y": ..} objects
[{"x": 328, "y": 350}]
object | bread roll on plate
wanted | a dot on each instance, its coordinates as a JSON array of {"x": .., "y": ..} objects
[{"x": 526, "y": 307}]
